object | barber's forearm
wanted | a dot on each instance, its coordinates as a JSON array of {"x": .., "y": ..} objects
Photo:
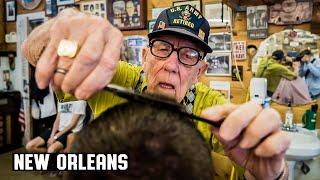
[{"x": 283, "y": 175}]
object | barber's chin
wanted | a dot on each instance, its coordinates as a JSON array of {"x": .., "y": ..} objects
[{"x": 166, "y": 92}]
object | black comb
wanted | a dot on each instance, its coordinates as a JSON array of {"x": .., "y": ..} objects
[{"x": 147, "y": 98}]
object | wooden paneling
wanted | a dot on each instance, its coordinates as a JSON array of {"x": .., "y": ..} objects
[{"x": 2, "y": 25}]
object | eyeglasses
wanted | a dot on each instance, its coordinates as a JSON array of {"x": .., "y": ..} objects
[{"x": 186, "y": 55}]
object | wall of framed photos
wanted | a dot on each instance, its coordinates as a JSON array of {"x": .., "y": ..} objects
[{"x": 239, "y": 33}]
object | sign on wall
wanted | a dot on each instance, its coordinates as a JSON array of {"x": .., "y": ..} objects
[{"x": 239, "y": 50}]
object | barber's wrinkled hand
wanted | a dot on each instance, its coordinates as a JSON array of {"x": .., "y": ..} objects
[
  {"x": 251, "y": 137},
  {"x": 93, "y": 66}
]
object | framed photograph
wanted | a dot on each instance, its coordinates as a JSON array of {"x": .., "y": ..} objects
[
  {"x": 11, "y": 10},
  {"x": 51, "y": 8},
  {"x": 97, "y": 8},
  {"x": 128, "y": 14},
  {"x": 223, "y": 87},
  {"x": 220, "y": 42},
  {"x": 60, "y": 8},
  {"x": 195, "y": 4},
  {"x": 151, "y": 25},
  {"x": 131, "y": 50},
  {"x": 157, "y": 11},
  {"x": 237, "y": 73},
  {"x": 64, "y": 2},
  {"x": 217, "y": 14},
  {"x": 257, "y": 22},
  {"x": 219, "y": 64}
]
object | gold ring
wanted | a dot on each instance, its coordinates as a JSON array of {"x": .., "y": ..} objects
[
  {"x": 67, "y": 48},
  {"x": 61, "y": 71}
]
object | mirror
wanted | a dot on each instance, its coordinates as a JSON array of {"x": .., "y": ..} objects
[{"x": 291, "y": 42}]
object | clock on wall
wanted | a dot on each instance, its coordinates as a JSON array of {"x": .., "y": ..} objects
[{"x": 29, "y": 4}]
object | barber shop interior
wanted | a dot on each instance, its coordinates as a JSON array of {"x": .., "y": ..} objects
[{"x": 160, "y": 89}]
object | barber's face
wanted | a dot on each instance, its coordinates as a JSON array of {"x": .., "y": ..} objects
[{"x": 167, "y": 76}]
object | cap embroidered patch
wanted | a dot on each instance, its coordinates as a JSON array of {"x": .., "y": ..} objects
[
  {"x": 185, "y": 15},
  {"x": 201, "y": 34},
  {"x": 161, "y": 25}
]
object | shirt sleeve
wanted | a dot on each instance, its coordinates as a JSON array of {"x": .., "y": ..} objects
[
  {"x": 287, "y": 73},
  {"x": 79, "y": 107},
  {"x": 314, "y": 68}
]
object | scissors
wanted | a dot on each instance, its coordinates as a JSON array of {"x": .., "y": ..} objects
[{"x": 147, "y": 98}]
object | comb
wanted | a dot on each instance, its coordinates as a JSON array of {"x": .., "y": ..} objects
[{"x": 131, "y": 95}]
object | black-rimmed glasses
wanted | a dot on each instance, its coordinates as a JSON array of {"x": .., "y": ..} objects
[{"x": 186, "y": 55}]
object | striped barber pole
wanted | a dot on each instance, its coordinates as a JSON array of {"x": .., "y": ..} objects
[{"x": 21, "y": 119}]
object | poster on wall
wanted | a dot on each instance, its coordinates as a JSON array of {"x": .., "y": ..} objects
[
  {"x": 219, "y": 64},
  {"x": 97, "y": 8},
  {"x": 11, "y": 11},
  {"x": 131, "y": 50},
  {"x": 196, "y": 4},
  {"x": 257, "y": 22},
  {"x": 223, "y": 87},
  {"x": 291, "y": 12},
  {"x": 239, "y": 50},
  {"x": 237, "y": 73},
  {"x": 217, "y": 14}
]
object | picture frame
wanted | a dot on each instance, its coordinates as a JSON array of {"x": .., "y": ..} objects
[
  {"x": 60, "y": 8},
  {"x": 131, "y": 50},
  {"x": 220, "y": 42},
  {"x": 64, "y": 2},
  {"x": 224, "y": 87},
  {"x": 219, "y": 64},
  {"x": 218, "y": 14},
  {"x": 128, "y": 14},
  {"x": 157, "y": 11},
  {"x": 51, "y": 8},
  {"x": 257, "y": 22},
  {"x": 11, "y": 10},
  {"x": 97, "y": 7},
  {"x": 196, "y": 4},
  {"x": 237, "y": 73}
]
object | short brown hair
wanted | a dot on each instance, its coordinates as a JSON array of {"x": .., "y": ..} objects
[{"x": 161, "y": 144}]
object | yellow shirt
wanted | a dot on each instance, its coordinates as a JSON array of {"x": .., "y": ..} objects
[{"x": 128, "y": 75}]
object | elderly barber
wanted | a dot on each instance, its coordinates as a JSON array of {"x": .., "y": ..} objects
[{"x": 172, "y": 66}]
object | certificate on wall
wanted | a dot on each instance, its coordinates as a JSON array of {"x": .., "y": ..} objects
[
  {"x": 239, "y": 50},
  {"x": 223, "y": 87}
]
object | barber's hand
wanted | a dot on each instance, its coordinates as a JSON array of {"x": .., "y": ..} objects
[
  {"x": 95, "y": 63},
  {"x": 241, "y": 133}
]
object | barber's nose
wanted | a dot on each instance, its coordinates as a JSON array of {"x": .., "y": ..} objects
[{"x": 172, "y": 63}]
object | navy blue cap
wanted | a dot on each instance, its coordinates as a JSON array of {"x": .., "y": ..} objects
[
  {"x": 183, "y": 20},
  {"x": 278, "y": 55}
]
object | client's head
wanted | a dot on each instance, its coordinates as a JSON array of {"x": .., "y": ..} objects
[{"x": 160, "y": 143}]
